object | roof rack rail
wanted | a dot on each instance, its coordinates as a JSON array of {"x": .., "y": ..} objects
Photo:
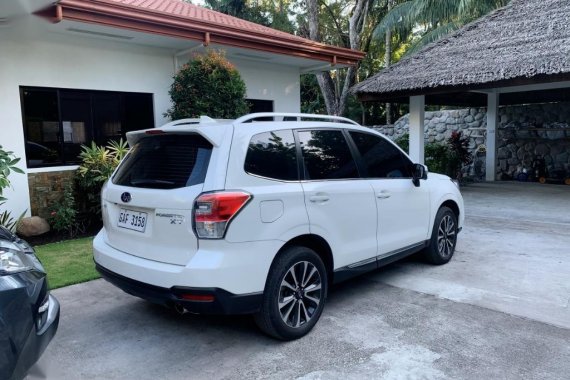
[
  {"x": 200, "y": 120},
  {"x": 297, "y": 116}
]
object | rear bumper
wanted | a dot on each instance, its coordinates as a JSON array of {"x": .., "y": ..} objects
[
  {"x": 223, "y": 301},
  {"x": 238, "y": 268}
]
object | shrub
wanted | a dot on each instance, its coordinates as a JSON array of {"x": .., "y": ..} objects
[
  {"x": 8, "y": 165},
  {"x": 208, "y": 85},
  {"x": 437, "y": 158},
  {"x": 460, "y": 155},
  {"x": 63, "y": 216},
  {"x": 97, "y": 165},
  {"x": 403, "y": 142},
  {"x": 447, "y": 158}
]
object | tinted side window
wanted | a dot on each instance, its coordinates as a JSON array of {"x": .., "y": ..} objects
[
  {"x": 382, "y": 159},
  {"x": 326, "y": 155},
  {"x": 273, "y": 155}
]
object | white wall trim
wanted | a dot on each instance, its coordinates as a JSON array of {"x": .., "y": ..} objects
[
  {"x": 417, "y": 117},
  {"x": 491, "y": 148},
  {"x": 52, "y": 169}
]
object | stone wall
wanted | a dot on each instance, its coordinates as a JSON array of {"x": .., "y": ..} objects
[
  {"x": 525, "y": 133},
  {"x": 46, "y": 189},
  {"x": 530, "y": 132}
]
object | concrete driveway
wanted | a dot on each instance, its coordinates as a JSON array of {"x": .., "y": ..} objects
[{"x": 499, "y": 309}]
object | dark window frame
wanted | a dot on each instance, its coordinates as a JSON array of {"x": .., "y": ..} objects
[
  {"x": 362, "y": 164},
  {"x": 297, "y": 157},
  {"x": 348, "y": 141},
  {"x": 94, "y": 134}
]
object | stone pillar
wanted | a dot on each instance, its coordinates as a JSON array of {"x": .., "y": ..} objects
[
  {"x": 491, "y": 143},
  {"x": 417, "y": 114}
]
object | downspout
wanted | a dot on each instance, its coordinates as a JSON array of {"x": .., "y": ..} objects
[{"x": 190, "y": 50}]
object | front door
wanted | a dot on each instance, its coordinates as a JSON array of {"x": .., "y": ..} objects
[{"x": 403, "y": 209}]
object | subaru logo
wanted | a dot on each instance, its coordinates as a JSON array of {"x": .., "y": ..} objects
[{"x": 126, "y": 197}]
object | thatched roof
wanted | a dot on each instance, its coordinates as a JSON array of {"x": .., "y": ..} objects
[{"x": 527, "y": 41}]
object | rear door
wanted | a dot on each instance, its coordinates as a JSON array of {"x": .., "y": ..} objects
[
  {"x": 340, "y": 205},
  {"x": 403, "y": 209},
  {"x": 147, "y": 204}
]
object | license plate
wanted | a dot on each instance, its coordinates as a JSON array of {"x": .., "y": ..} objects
[{"x": 132, "y": 220}]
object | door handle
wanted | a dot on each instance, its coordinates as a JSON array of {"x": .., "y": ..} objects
[
  {"x": 319, "y": 198},
  {"x": 383, "y": 195}
]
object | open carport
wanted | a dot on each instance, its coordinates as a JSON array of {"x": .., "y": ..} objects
[
  {"x": 515, "y": 62},
  {"x": 499, "y": 309}
]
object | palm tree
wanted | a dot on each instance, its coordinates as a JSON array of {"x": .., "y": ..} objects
[{"x": 432, "y": 19}]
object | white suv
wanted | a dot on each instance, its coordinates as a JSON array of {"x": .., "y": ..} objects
[{"x": 262, "y": 214}]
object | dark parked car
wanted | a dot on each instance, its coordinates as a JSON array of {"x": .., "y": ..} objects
[{"x": 29, "y": 315}]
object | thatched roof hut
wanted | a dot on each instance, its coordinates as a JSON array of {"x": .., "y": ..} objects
[{"x": 523, "y": 43}]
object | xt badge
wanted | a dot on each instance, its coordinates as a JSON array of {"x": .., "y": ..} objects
[{"x": 174, "y": 219}]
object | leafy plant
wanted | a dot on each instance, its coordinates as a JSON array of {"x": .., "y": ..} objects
[
  {"x": 459, "y": 146},
  {"x": 8, "y": 165},
  {"x": 403, "y": 142},
  {"x": 437, "y": 158},
  {"x": 97, "y": 165},
  {"x": 208, "y": 85},
  {"x": 446, "y": 158},
  {"x": 9, "y": 222},
  {"x": 63, "y": 216}
]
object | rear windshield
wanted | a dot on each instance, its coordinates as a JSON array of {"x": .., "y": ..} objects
[{"x": 165, "y": 162}]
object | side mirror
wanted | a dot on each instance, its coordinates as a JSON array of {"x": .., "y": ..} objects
[{"x": 419, "y": 171}]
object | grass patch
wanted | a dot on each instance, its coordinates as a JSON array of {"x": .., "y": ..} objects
[{"x": 68, "y": 262}]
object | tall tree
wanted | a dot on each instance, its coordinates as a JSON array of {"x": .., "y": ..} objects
[
  {"x": 387, "y": 60},
  {"x": 272, "y": 13},
  {"x": 334, "y": 92}
]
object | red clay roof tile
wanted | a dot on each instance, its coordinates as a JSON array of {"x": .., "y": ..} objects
[
  {"x": 187, "y": 10},
  {"x": 184, "y": 20}
]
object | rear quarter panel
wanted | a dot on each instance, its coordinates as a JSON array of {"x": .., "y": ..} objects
[{"x": 277, "y": 208}]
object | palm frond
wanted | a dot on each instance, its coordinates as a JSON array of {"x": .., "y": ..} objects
[
  {"x": 401, "y": 17},
  {"x": 431, "y": 36},
  {"x": 436, "y": 12}
]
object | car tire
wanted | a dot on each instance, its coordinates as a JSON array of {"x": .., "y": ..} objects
[
  {"x": 443, "y": 237},
  {"x": 295, "y": 294}
]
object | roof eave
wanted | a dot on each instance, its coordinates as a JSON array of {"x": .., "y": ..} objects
[
  {"x": 402, "y": 95},
  {"x": 147, "y": 21}
]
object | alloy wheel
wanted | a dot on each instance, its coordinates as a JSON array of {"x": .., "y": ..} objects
[
  {"x": 446, "y": 236},
  {"x": 300, "y": 294}
]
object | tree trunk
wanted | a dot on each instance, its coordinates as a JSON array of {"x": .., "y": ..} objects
[
  {"x": 387, "y": 59},
  {"x": 336, "y": 96}
]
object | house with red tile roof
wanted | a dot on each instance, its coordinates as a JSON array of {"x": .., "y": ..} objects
[{"x": 76, "y": 71}]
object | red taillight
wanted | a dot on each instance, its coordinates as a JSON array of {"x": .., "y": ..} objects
[
  {"x": 154, "y": 132},
  {"x": 214, "y": 211}
]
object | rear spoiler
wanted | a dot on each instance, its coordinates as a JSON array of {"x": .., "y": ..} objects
[{"x": 212, "y": 130}]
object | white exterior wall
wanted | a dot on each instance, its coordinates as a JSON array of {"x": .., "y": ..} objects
[
  {"x": 272, "y": 82},
  {"x": 77, "y": 62}
]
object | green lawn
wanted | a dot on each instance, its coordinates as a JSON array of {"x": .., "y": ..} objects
[{"x": 68, "y": 262}]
